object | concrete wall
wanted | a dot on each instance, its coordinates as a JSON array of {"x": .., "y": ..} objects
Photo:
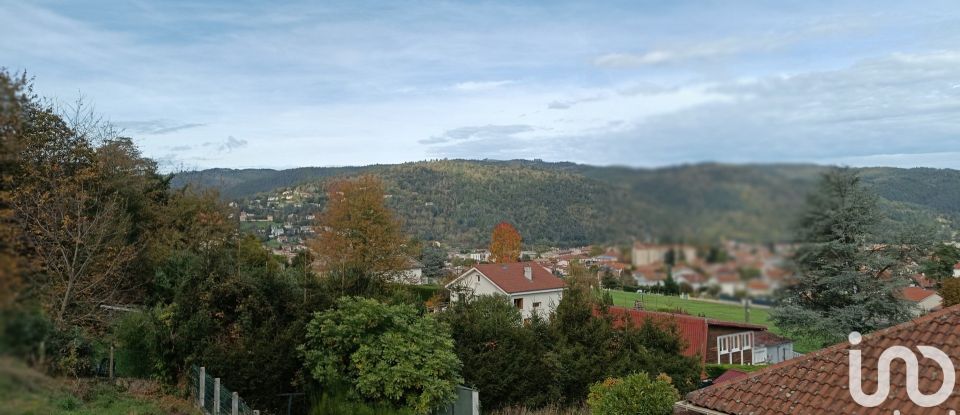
[{"x": 548, "y": 302}]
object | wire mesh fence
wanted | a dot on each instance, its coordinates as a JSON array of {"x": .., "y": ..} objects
[{"x": 214, "y": 397}]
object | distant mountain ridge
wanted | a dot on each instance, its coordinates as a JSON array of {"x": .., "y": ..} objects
[{"x": 459, "y": 201}]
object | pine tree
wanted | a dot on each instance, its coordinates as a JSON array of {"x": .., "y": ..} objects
[{"x": 846, "y": 281}]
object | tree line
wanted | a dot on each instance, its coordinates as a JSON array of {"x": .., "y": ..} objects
[{"x": 98, "y": 249}]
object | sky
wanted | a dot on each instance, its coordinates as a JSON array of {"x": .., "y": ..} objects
[{"x": 639, "y": 83}]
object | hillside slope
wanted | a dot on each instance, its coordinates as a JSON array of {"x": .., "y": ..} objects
[{"x": 459, "y": 201}]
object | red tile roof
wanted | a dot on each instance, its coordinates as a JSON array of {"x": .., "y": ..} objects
[
  {"x": 817, "y": 383},
  {"x": 727, "y": 277},
  {"x": 917, "y": 294},
  {"x": 732, "y": 374},
  {"x": 922, "y": 281},
  {"x": 693, "y": 330},
  {"x": 956, "y": 266},
  {"x": 509, "y": 277}
]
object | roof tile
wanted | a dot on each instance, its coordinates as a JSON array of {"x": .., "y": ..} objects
[{"x": 817, "y": 383}]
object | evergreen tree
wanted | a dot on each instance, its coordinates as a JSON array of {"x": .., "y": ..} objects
[
  {"x": 846, "y": 280},
  {"x": 432, "y": 259}
]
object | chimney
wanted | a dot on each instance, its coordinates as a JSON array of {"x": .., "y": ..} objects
[{"x": 528, "y": 273}]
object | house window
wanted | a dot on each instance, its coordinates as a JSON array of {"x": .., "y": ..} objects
[
  {"x": 536, "y": 304},
  {"x": 478, "y": 278},
  {"x": 518, "y": 303}
]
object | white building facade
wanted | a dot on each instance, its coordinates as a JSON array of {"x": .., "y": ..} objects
[{"x": 531, "y": 288}]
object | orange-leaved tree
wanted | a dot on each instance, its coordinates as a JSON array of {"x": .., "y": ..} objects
[
  {"x": 359, "y": 244},
  {"x": 504, "y": 243}
]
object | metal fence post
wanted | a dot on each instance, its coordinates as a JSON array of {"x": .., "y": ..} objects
[
  {"x": 236, "y": 404},
  {"x": 216, "y": 396},
  {"x": 203, "y": 387}
]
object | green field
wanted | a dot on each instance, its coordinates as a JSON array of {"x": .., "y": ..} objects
[{"x": 725, "y": 312}]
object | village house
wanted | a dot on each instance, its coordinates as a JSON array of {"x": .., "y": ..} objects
[
  {"x": 649, "y": 275},
  {"x": 923, "y": 300},
  {"x": 956, "y": 270},
  {"x": 648, "y": 254},
  {"x": 694, "y": 279},
  {"x": 530, "y": 287},
  {"x": 728, "y": 281}
]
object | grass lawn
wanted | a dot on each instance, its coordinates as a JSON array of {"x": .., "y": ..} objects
[
  {"x": 26, "y": 391},
  {"x": 724, "y": 312}
]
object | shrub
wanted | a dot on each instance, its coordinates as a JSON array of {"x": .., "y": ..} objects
[
  {"x": 634, "y": 394},
  {"x": 137, "y": 343},
  {"x": 385, "y": 353},
  {"x": 950, "y": 291}
]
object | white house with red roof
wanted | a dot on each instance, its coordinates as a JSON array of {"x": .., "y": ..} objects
[
  {"x": 956, "y": 270},
  {"x": 529, "y": 286},
  {"x": 924, "y": 300}
]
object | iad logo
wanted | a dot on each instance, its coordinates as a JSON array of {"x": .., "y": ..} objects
[{"x": 913, "y": 376}]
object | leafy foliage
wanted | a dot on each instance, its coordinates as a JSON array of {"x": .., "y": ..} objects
[
  {"x": 941, "y": 262},
  {"x": 509, "y": 363},
  {"x": 505, "y": 243},
  {"x": 383, "y": 353},
  {"x": 358, "y": 239},
  {"x": 950, "y": 291},
  {"x": 633, "y": 394}
]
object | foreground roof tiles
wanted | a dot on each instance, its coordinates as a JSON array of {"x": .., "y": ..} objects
[{"x": 817, "y": 383}]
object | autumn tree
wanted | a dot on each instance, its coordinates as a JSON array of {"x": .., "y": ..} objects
[
  {"x": 73, "y": 221},
  {"x": 505, "y": 244},
  {"x": 359, "y": 244},
  {"x": 15, "y": 97}
]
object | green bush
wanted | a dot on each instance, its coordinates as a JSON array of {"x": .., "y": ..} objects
[
  {"x": 384, "y": 353},
  {"x": 635, "y": 394},
  {"x": 136, "y": 345},
  {"x": 22, "y": 332}
]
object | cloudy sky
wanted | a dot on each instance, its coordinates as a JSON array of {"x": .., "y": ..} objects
[{"x": 639, "y": 83}]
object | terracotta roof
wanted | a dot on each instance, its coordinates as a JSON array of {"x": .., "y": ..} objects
[
  {"x": 692, "y": 329},
  {"x": 922, "y": 281},
  {"x": 917, "y": 294},
  {"x": 732, "y": 374},
  {"x": 725, "y": 277},
  {"x": 817, "y": 383},
  {"x": 509, "y": 277},
  {"x": 956, "y": 266},
  {"x": 758, "y": 285}
]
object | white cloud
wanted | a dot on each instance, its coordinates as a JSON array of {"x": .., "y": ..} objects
[{"x": 471, "y": 86}]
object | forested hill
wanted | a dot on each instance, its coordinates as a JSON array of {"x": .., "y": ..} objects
[{"x": 459, "y": 201}]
